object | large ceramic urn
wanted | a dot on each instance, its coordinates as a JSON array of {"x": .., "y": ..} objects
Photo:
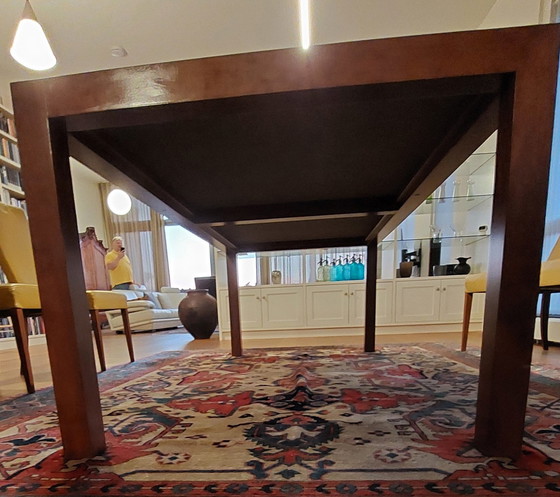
[{"x": 198, "y": 312}]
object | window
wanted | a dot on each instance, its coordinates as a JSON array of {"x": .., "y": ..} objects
[
  {"x": 247, "y": 269},
  {"x": 188, "y": 255}
]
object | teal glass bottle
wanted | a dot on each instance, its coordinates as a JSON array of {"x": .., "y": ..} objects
[
  {"x": 338, "y": 271},
  {"x": 354, "y": 268},
  {"x": 361, "y": 271},
  {"x": 346, "y": 268}
]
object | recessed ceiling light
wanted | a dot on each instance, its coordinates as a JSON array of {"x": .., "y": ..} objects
[{"x": 119, "y": 52}]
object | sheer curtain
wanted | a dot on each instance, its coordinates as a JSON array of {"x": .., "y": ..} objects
[
  {"x": 288, "y": 262},
  {"x": 143, "y": 233}
]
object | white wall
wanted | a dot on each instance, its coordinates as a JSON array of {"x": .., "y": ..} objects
[
  {"x": 87, "y": 199},
  {"x": 5, "y": 95},
  {"x": 505, "y": 13}
]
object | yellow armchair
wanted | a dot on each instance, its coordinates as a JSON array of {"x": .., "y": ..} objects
[
  {"x": 549, "y": 283},
  {"x": 20, "y": 299}
]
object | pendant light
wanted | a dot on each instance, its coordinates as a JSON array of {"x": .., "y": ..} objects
[
  {"x": 119, "y": 202},
  {"x": 30, "y": 46}
]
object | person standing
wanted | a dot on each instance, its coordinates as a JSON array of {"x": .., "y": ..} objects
[{"x": 118, "y": 265}]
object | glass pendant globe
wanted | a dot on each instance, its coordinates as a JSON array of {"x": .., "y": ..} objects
[{"x": 119, "y": 202}]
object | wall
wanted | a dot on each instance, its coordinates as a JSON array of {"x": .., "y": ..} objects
[
  {"x": 505, "y": 13},
  {"x": 5, "y": 95},
  {"x": 87, "y": 199}
]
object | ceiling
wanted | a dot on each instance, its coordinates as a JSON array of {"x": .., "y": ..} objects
[{"x": 82, "y": 32}]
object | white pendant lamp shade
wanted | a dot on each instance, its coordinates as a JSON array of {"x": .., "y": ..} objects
[
  {"x": 119, "y": 202},
  {"x": 30, "y": 46}
]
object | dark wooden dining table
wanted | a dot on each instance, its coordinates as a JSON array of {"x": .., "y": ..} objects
[{"x": 286, "y": 149}]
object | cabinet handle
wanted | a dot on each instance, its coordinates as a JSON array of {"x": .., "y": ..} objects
[
  {"x": 264, "y": 298},
  {"x": 351, "y": 293},
  {"x": 444, "y": 288},
  {"x": 345, "y": 293},
  {"x": 437, "y": 289},
  {"x": 258, "y": 298}
]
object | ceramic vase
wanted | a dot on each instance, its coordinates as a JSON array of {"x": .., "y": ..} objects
[
  {"x": 462, "y": 267},
  {"x": 198, "y": 312}
]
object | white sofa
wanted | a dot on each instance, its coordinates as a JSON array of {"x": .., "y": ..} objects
[{"x": 149, "y": 311}]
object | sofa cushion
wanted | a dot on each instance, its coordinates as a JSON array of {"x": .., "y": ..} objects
[
  {"x": 148, "y": 319},
  {"x": 153, "y": 298},
  {"x": 170, "y": 300},
  {"x": 134, "y": 305},
  {"x": 169, "y": 289},
  {"x": 130, "y": 294}
]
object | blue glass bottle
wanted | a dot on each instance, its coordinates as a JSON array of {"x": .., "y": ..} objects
[
  {"x": 346, "y": 268},
  {"x": 361, "y": 269},
  {"x": 354, "y": 275},
  {"x": 338, "y": 272},
  {"x": 334, "y": 270}
]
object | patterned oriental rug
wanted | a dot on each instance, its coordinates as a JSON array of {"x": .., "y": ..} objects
[{"x": 286, "y": 422}]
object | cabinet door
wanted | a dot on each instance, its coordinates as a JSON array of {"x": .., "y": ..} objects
[
  {"x": 249, "y": 308},
  {"x": 282, "y": 308},
  {"x": 223, "y": 310},
  {"x": 384, "y": 303},
  {"x": 452, "y": 300},
  {"x": 417, "y": 301},
  {"x": 327, "y": 305},
  {"x": 356, "y": 304},
  {"x": 477, "y": 311}
]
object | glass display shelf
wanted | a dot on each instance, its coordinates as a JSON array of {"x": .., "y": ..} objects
[
  {"x": 468, "y": 239},
  {"x": 459, "y": 204}
]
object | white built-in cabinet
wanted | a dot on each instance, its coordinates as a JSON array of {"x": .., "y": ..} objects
[
  {"x": 406, "y": 301},
  {"x": 345, "y": 304},
  {"x": 429, "y": 300},
  {"x": 266, "y": 308}
]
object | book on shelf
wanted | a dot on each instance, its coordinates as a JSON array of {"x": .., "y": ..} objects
[
  {"x": 10, "y": 150},
  {"x": 33, "y": 327},
  {"x": 10, "y": 176},
  {"x": 5, "y": 124},
  {"x": 17, "y": 202}
]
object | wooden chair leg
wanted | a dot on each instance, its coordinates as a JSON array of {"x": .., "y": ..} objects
[
  {"x": 19, "y": 324},
  {"x": 128, "y": 333},
  {"x": 466, "y": 319},
  {"x": 96, "y": 325},
  {"x": 545, "y": 308}
]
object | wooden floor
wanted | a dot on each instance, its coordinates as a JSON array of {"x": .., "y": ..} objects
[{"x": 147, "y": 344}]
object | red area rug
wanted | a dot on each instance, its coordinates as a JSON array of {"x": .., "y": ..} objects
[{"x": 297, "y": 422}]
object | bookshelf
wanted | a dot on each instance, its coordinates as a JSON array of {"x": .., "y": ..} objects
[{"x": 11, "y": 191}]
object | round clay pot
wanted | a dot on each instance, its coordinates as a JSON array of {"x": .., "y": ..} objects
[{"x": 198, "y": 312}]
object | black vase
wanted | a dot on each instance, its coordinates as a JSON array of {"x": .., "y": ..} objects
[
  {"x": 198, "y": 312},
  {"x": 462, "y": 267}
]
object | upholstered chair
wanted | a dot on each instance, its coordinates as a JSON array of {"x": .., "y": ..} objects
[
  {"x": 549, "y": 284},
  {"x": 20, "y": 299}
]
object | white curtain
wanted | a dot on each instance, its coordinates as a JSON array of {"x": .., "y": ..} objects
[{"x": 143, "y": 236}]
